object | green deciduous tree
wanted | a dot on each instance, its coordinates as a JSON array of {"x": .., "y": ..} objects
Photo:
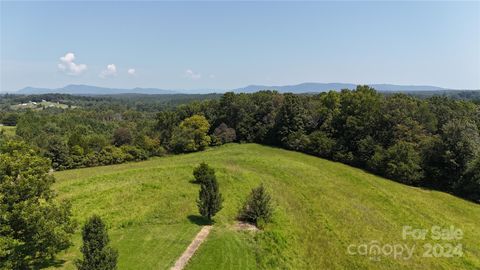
[
  {"x": 34, "y": 226},
  {"x": 292, "y": 117},
  {"x": 122, "y": 136},
  {"x": 461, "y": 145},
  {"x": 191, "y": 135},
  {"x": 403, "y": 163},
  {"x": 469, "y": 185},
  {"x": 97, "y": 254},
  {"x": 223, "y": 134}
]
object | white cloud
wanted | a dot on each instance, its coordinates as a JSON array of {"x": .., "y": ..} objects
[
  {"x": 110, "y": 71},
  {"x": 212, "y": 76},
  {"x": 69, "y": 67},
  {"x": 131, "y": 71},
  {"x": 192, "y": 75}
]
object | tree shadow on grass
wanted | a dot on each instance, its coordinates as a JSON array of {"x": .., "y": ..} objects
[
  {"x": 199, "y": 220},
  {"x": 46, "y": 263}
]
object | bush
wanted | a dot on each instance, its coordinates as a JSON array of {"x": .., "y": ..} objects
[
  {"x": 152, "y": 146},
  {"x": 111, "y": 155},
  {"x": 203, "y": 172},
  {"x": 97, "y": 254},
  {"x": 258, "y": 208},
  {"x": 133, "y": 153}
]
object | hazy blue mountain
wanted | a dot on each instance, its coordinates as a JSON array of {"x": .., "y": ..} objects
[
  {"x": 78, "y": 89},
  {"x": 322, "y": 87},
  {"x": 74, "y": 89}
]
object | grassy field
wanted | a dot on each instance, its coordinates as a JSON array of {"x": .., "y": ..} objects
[
  {"x": 322, "y": 208},
  {"x": 8, "y": 130}
]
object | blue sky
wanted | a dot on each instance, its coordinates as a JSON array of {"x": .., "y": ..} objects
[{"x": 224, "y": 45}]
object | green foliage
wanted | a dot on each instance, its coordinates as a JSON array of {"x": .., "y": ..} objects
[
  {"x": 122, "y": 136},
  {"x": 9, "y": 119},
  {"x": 461, "y": 144},
  {"x": 223, "y": 134},
  {"x": 166, "y": 123},
  {"x": 58, "y": 153},
  {"x": 359, "y": 127},
  {"x": 209, "y": 198},
  {"x": 258, "y": 208},
  {"x": 133, "y": 153},
  {"x": 292, "y": 117},
  {"x": 469, "y": 184},
  {"x": 203, "y": 173},
  {"x": 191, "y": 135},
  {"x": 97, "y": 254},
  {"x": 403, "y": 163},
  {"x": 320, "y": 144},
  {"x": 34, "y": 226}
]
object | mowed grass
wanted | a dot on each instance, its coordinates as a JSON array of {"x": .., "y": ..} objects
[
  {"x": 8, "y": 130},
  {"x": 322, "y": 208}
]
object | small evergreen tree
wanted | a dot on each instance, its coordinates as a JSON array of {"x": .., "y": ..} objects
[
  {"x": 209, "y": 198},
  {"x": 97, "y": 254},
  {"x": 258, "y": 206},
  {"x": 203, "y": 172}
]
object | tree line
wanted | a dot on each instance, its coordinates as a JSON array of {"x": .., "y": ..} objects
[{"x": 432, "y": 142}]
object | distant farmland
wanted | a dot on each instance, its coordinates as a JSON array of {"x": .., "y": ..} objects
[{"x": 40, "y": 105}]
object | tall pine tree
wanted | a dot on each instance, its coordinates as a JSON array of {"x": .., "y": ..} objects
[
  {"x": 209, "y": 198},
  {"x": 97, "y": 254}
]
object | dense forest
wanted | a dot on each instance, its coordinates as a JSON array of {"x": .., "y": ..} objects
[{"x": 428, "y": 141}]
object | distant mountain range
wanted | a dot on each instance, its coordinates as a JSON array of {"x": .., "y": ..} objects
[
  {"x": 322, "y": 87},
  {"x": 79, "y": 89},
  {"x": 299, "y": 88}
]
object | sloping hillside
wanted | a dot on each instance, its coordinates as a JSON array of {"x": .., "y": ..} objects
[{"x": 325, "y": 211}]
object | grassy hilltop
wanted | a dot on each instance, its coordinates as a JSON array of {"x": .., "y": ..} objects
[{"x": 321, "y": 208}]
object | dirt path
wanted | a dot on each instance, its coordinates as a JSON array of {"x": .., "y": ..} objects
[{"x": 188, "y": 253}]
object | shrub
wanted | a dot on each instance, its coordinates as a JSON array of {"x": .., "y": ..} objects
[
  {"x": 111, "y": 155},
  {"x": 133, "y": 153},
  {"x": 258, "y": 208},
  {"x": 203, "y": 172}
]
